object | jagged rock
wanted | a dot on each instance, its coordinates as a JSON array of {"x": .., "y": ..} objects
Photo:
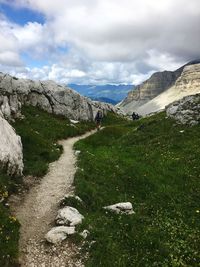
[
  {"x": 186, "y": 110},
  {"x": 11, "y": 156},
  {"x": 49, "y": 96},
  {"x": 124, "y": 208},
  {"x": 58, "y": 234},
  {"x": 69, "y": 216}
]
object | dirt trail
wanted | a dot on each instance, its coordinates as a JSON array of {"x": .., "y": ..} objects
[{"x": 38, "y": 210}]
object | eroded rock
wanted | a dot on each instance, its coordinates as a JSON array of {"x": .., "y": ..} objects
[
  {"x": 11, "y": 156},
  {"x": 47, "y": 95}
]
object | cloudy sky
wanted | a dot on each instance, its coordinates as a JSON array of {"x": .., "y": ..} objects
[{"x": 97, "y": 41}]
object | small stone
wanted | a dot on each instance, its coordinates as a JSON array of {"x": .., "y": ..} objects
[
  {"x": 84, "y": 234},
  {"x": 121, "y": 208},
  {"x": 58, "y": 234},
  {"x": 69, "y": 216}
]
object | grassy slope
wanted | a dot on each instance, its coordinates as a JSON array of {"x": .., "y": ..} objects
[
  {"x": 39, "y": 132},
  {"x": 156, "y": 168}
]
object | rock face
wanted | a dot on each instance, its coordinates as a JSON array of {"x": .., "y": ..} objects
[
  {"x": 58, "y": 234},
  {"x": 11, "y": 156},
  {"x": 69, "y": 216},
  {"x": 186, "y": 110},
  {"x": 187, "y": 84},
  {"x": 157, "y": 84},
  {"x": 49, "y": 96}
]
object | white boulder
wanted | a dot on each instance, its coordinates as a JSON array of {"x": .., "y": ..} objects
[
  {"x": 58, "y": 234},
  {"x": 121, "y": 208},
  {"x": 11, "y": 156},
  {"x": 69, "y": 216}
]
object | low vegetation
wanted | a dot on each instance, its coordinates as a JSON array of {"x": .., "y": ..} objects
[
  {"x": 9, "y": 226},
  {"x": 153, "y": 163},
  {"x": 40, "y": 132}
]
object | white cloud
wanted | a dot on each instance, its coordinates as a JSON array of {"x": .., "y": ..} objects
[{"x": 105, "y": 41}]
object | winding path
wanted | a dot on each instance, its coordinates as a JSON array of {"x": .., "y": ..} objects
[{"x": 38, "y": 210}]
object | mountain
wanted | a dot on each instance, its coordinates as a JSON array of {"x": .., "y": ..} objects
[
  {"x": 105, "y": 100},
  {"x": 187, "y": 84},
  {"x": 158, "y": 83},
  {"x": 110, "y": 93}
]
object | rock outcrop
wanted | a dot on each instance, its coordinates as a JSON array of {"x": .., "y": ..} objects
[
  {"x": 11, "y": 156},
  {"x": 158, "y": 83},
  {"x": 187, "y": 84},
  {"x": 186, "y": 110},
  {"x": 49, "y": 96}
]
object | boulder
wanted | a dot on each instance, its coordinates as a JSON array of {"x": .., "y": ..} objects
[
  {"x": 58, "y": 234},
  {"x": 69, "y": 216},
  {"x": 11, "y": 156},
  {"x": 121, "y": 208},
  {"x": 186, "y": 110}
]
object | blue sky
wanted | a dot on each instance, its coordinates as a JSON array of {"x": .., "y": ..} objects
[
  {"x": 83, "y": 42},
  {"x": 21, "y": 16}
]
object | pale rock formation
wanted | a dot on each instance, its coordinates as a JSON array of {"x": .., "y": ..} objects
[
  {"x": 11, "y": 156},
  {"x": 49, "y": 96},
  {"x": 121, "y": 208},
  {"x": 69, "y": 216},
  {"x": 186, "y": 110},
  {"x": 58, "y": 234},
  {"x": 141, "y": 98},
  {"x": 187, "y": 84}
]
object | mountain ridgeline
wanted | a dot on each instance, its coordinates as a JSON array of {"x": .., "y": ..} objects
[{"x": 139, "y": 99}]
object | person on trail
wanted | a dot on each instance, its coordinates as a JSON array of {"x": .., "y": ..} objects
[
  {"x": 98, "y": 119},
  {"x": 135, "y": 116}
]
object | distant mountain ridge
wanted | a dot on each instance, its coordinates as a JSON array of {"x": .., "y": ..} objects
[
  {"x": 108, "y": 93},
  {"x": 157, "y": 84}
]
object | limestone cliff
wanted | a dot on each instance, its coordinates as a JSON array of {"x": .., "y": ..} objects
[
  {"x": 49, "y": 96},
  {"x": 187, "y": 84},
  {"x": 158, "y": 83}
]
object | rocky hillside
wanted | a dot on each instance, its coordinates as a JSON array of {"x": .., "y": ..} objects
[
  {"x": 158, "y": 83},
  {"x": 187, "y": 84},
  {"x": 49, "y": 96}
]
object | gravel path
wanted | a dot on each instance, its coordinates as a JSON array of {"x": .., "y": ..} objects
[{"x": 37, "y": 211}]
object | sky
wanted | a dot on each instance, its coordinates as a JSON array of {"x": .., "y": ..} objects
[{"x": 97, "y": 41}]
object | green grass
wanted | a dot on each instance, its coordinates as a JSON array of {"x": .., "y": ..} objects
[
  {"x": 9, "y": 226},
  {"x": 154, "y": 166},
  {"x": 40, "y": 132}
]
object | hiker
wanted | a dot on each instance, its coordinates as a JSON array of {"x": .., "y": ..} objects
[
  {"x": 98, "y": 119},
  {"x": 135, "y": 116}
]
